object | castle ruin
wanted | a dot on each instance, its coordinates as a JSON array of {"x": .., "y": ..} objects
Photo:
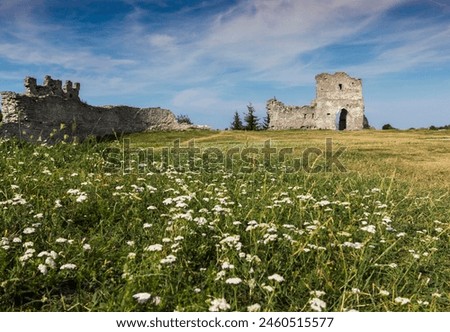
[
  {"x": 53, "y": 112},
  {"x": 339, "y": 105}
]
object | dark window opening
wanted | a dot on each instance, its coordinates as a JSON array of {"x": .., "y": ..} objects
[
  {"x": 312, "y": 115},
  {"x": 340, "y": 87},
  {"x": 304, "y": 116}
]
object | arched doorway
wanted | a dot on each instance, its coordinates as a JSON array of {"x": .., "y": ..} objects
[{"x": 341, "y": 119}]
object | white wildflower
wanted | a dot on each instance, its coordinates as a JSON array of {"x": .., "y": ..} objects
[
  {"x": 270, "y": 238},
  {"x": 68, "y": 266},
  {"x": 200, "y": 221},
  {"x": 38, "y": 216},
  {"x": 220, "y": 275},
  {"x": 131, "y": 255},
  {"x": 61, "y": 240},
  {"x": 167, "y": 201},
  {"x": 156, "y": 300},
  {"x": 268, "y": 288},
  {"x": 147, "y": 225},
  {"x": 356, "y": 245},
  {"x": 86, "y": 246},
  {"x": 81, "y": 198},
  {"x": 43, "y": 253},
  {"x": 384, "y": 292},
  {"x": 73, "y": 191},
  {"x": 50, "y": 262},
  {"x": 29, "y": 230},
  {"x": 317, "y": 293},
  {"x": 219, "y": 305},
  {"x": 254, "y": 307},
  {"x": 42, "y": 268},
  {"x": 142, "y": 297},
  {"x": 369, "y": 228},
  {"x": 169, "y": 259},
  {"x": 317, "y": 304},
  {"x": 227, "y": 265},
  {"x": 154, "y": 247},
  {"x": 276, "y": 277},
  {"x": 402, "y": 300},
  {"x": 233, "y": 281}
]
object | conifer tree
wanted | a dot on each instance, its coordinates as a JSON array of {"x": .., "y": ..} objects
[
  {"x": 266, "y": 122},
  {"x": 251, "y": 120},
  {"x": 237, "y": 123}
]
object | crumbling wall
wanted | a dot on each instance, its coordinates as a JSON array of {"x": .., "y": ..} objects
[
  {"x": 338, "y": 104},
  {"x": 282, "y": 116},
  {"x": 53, "y": 111}
]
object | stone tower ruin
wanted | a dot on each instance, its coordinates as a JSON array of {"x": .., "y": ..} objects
[{"x": 339, "y": 105}]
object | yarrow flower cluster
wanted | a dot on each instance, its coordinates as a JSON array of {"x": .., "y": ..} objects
[
  {"x": 276, "y": 277},
  {"x": 219, "y": 305},
  {"x": 316, "y": 303},
  {"x": 144, "y": 297},
  {"x": 154, "y": 247},
  {"x": 233, "y": 281},
  {"x": 68, "y": 266}
]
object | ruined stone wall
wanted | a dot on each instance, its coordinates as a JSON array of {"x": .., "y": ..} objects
[
  {"x": 53, "y": 111},
  {"x": 338, "y": 104},
  {"x": 290, "y": 117}
]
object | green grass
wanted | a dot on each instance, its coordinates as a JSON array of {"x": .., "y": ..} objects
[{"x": 371, "y": 238}]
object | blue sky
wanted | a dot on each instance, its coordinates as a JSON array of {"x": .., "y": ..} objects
[{"x": 208, "y": 59}]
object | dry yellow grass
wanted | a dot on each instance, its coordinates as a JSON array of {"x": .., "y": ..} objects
[{"x": 418, "y": 158}]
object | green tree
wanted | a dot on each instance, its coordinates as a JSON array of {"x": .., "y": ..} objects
[
  {"x": 266, "y": 122},
  {"x": 251, "y": 120},
  {"x": 237, "y": 122},
  {"x": 184, "y": 119}
]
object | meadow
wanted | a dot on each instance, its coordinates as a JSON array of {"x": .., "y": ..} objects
[{"x": 127, "y": 225}]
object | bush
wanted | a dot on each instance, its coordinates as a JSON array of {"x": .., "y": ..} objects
[
  {"x": 387, "y": 127},
  {"x": 184, "y": 119}
]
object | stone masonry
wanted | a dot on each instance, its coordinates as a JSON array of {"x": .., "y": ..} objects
[
  {"x": 339, "y": 105},
  {"x": 54, "y": 112}
]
